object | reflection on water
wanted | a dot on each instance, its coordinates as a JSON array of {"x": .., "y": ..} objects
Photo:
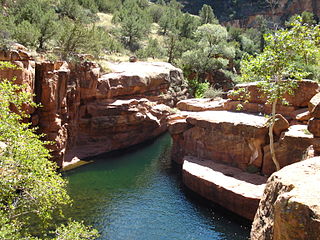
[{"x": 137, "y": 194}]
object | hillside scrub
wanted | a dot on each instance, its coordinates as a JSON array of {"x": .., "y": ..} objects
[{"x": 158, "y": 31}]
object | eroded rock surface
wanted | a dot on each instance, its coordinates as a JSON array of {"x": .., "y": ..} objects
[
  {"x": 251, "y": 99},
  {"x": 107, "y": 125},
  {"x": 237, "y": 191},
  {"x": 290, "y": 207},
  {"x": 159, "y": 82},
  {"x": 232, "y": 138},
  {"x": 85, "y": 113},
  {"x": 199, "y": 105}
]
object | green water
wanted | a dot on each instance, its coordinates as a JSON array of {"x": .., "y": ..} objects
[{"x": 137, "y": 194}]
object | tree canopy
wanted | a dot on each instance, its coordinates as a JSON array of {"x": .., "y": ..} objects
[{"x": 282, "y": 64}]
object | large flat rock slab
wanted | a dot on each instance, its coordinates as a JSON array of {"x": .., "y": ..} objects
[
  {"x": 199, "y": 105},
  {"x": 290, "y": 206},
  {"x": 235, "y": 139},
  {"x": 245, "y": 124},
  {"x": 231, "y": 188}
]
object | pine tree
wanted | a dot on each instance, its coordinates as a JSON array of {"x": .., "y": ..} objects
[{"x": 207, "y": 16}]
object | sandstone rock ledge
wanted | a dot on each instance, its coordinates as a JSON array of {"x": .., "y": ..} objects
[
  {"x": 233, "y": 189},
  {"x": 290, "y": 207},
  {"x": 235, "y": 139}
]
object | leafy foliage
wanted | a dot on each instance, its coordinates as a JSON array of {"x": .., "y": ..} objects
[
  {"x": 287, "y": 53},
  {"x": 282, "y": 63},
  {"x": 134, "y": 21},
  {"x": 30, "y": 188},
  {"x": 206, "y": 14}
]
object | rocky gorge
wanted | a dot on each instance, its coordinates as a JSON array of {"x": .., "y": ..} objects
[
  {"x": 85, "y": 113},
  {"x": 223, "y": 147},
  {"x": 224, "y": 153}
]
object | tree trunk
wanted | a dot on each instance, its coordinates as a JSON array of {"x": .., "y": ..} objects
[{"x": 272, "y": 151}]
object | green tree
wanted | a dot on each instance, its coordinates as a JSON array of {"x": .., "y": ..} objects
[
  {"x": 278, "y": 67},
  {"x": 188, "y": 25},
  {"x": 135, "y": 23},
  {"x": 306, "y": 18},
  {"x": 206, "y": 15},
  {"x": 31, "y": 191},
  {"x": 169, "y": 21},
  {"x": 212, "y": 53},
  {"x": 6, "y": 30},
  {"x": 26, "y": 34},
  {"x": 78, "y": 38},
  {"x": 153, "y": 49},
  {"x": 40, "y": 14}
]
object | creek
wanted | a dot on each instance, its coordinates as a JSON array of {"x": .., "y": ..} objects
[{"x": 137, "y": 194}]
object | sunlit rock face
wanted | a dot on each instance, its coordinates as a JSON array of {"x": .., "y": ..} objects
[
  {"x": 224, "y": 150},
  {"x": 84, "y": 112},
  {"x": 290, "y": 207},
  {"x": 235, "y": 190}
]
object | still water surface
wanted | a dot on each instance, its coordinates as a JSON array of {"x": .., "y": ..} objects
[{"x": 136, "y": 195}]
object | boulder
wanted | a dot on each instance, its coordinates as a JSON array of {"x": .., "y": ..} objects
[
  {"x": 160, "y": 82},
  {"x": 290, "y": 207},
  {"x": 314, "y": 126},
  {"x": 231, "y": 188},
  {"x": 314, "y": 106},
  {"x": 280, "y": 125},
  {"x": 301, "y": 114}
]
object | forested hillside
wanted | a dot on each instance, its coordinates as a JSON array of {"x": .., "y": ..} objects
[
  {"x": 208, "y": 52},
  {"x": 227, "y": 10}
]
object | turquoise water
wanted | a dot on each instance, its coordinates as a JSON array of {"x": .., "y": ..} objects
[{"x": 136, "y": 194}]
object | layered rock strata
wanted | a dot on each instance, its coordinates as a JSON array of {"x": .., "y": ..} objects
[
  {"x": 249, "y": 98},
  {"x": 84, "y": 112},
  {"x": 235, "y": 190},
  {"x": 290, "y": 206},
  {"x": 238, "y": 140},
  {"x": 232, "y": 138}
]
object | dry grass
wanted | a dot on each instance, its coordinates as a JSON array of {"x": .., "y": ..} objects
[{"x": 105, "y": 21}]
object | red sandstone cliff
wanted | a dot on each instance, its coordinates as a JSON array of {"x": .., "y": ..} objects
[{"x": 85, "y": 113}]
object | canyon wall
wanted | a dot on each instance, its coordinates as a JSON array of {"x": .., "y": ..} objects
[
  {"x": 223, "y": 144},
  {"x": 243, "y": 12},
  {"x": 85, "y": 113}
]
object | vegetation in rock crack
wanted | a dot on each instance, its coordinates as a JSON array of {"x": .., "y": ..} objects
[
  {"x": 281, "y": 65},
  {"x": 31, "y": 191}
]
